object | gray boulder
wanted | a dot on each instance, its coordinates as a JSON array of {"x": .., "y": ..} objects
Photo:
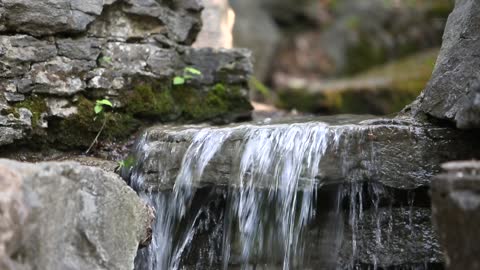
[
  {"x": 456, "y": 208},
  {"x": 398, "y": 154},
  {"x": 449, "y": 93},
  {"x": 115, "y": 19},
  {"x": 68, "y": 216}
]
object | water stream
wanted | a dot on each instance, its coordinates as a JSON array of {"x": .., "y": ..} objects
[{"x": 273, "y": 214}]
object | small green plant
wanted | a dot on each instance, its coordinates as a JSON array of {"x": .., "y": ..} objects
[
  {"x": 127, "y": 163},
  {"x": 99, "y": 105},
  {"x": 260, "y": 87},
  {"x": 99, "y": 110},
  {"x": 188, "y": 73},
  {"x": 105, "y": 60}
]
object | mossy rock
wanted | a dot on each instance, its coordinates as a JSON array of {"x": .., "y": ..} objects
[
  {"x": 382, "y": 90},
  {"x": 145, "y": 103},
  {"x": 186, "y": 103}
]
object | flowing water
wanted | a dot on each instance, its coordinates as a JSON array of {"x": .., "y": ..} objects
[{"x": 273, "y": 214}]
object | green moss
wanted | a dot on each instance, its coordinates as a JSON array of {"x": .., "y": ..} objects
[
  {"x": 36, "y": 105},
  {"x": 80, "y": 130},
  {"x": 146, "y": 102},
  {"x": 185, "y": 102}
]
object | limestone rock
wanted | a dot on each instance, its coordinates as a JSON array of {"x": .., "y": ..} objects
[
  {"x": 456, "y": 208},
  {"x": 399, "y": 154},
  {"x": 453, "y": 82},
  {"x": 78, "y": 217},
  {"x": 60, "y": 56},
  {"x": 469, "y": 115}
]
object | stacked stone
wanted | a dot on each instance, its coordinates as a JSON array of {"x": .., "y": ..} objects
[{"x": 57, "y": 55}]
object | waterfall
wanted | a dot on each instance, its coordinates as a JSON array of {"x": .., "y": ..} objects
[{"x": 261, "y": 218}]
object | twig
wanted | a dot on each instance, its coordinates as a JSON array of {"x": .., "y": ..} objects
[{"x": 98, "y": 135}]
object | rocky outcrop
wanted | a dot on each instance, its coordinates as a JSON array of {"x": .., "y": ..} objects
[
  {"x": 451, "y": 93},
  {"x": 127, "y": 51},
  {"x": 399, "y": 154},
  {"x": 68, "y": 216},
  {"x": 456, "y": 208}
]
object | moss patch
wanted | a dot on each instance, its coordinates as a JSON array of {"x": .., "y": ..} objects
[
  {"x": 79, "y": 130},
  {"x": 36, "y": 105},
  {"x": 147, "y": 103},
  {"x": 185, "y": 102}
]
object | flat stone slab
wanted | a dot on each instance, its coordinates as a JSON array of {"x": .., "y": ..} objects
[{"x": 397, "y": 153}]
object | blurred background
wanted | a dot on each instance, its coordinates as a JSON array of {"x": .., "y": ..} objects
[{"x": 332, "y": 56}]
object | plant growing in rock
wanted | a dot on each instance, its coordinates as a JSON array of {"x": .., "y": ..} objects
[
  {"x": 188, "y": 73},
  {"x": 100, "y": 112}
]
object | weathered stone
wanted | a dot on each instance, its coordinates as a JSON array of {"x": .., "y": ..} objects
[
  {"x": 14, "y": 127},
  {"x": 456, "y": 208},
  {"x": 129, "y": 53},
  {"x": 60, "y": 107},
  {"x": 14, "y": 97},
  {"x": 17, "y": 53},
  {"x": 59, "y": 76},
  {"x": 221, "y": 65},
  {"x": 133, "y": 19},
  {"x": 78, "y": 217},
  {"x": 48, "y": 17},
  {"x": 392, "y": 237},
  {"x": 454, "y": 77},
  {"x": 399, "y": 154},
  {"x": 80, "y": 49},
  {"x": 469, "y": 115}
]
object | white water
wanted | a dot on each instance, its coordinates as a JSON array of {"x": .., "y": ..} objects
[{"x": 268, "y": 207}]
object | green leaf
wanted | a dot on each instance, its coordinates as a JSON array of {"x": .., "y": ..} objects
[
  {"x": 104, "y": 102},
  {"x": 121, "y": 164},
  {"x": 106, "y": 59},
  {"x": 178, "y": 80},
  {"x": 193, "y": 71},
  {"x": 98, "y": 108}
]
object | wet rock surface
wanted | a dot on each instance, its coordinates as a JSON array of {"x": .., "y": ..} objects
[
  {"x": 68, "y": 216},
  {"x": 456, "y": 204},
  {"x": 127, "y": 51},
  {"x": 452, "y": 87},
  {"x": 400, "y": 154}
]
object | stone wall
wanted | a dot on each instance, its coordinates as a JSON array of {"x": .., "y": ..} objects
[
  {"x": 58, "y": 57},
  {"x": 68, "y": 216}
]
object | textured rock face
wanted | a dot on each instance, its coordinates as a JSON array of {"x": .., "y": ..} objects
[
  {"x": 119, "y": 19},
  {"x": 396, "y": 153},
  {"x": 68, "y": 216},
  {"x": 456, "y": 208},
  {"x": 454, "y": 79},
  {"x": 127, "y": 51}
]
